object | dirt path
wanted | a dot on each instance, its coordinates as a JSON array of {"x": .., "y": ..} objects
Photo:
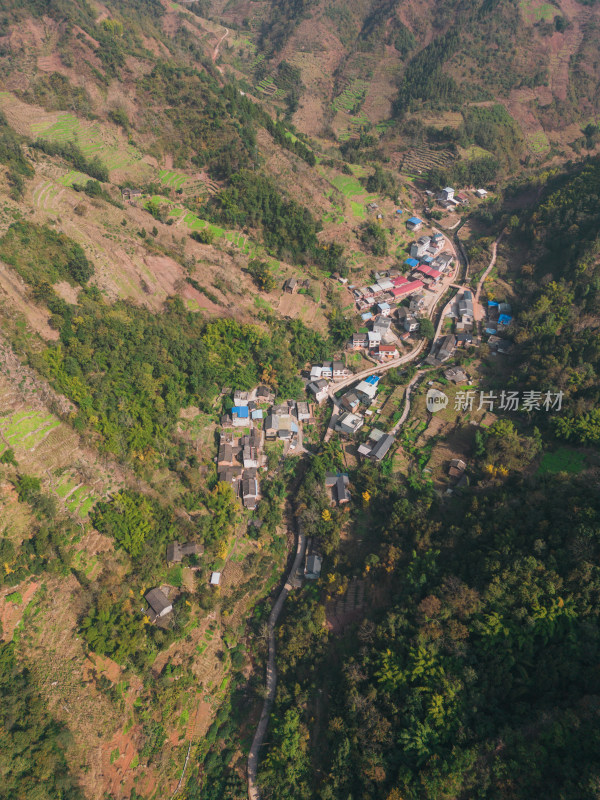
[
  {"x": 253, "y": 793},
  {"x": 215, "y": 54},
  {"x": 406, "y": 411},
  {"x": 476, "y": 306}
]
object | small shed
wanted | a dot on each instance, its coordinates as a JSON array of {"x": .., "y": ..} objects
[{"x": 215, "y": 579}]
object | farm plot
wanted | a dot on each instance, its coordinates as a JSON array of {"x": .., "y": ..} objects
[
  {"x": 73, "y": 177},
  {"x": 27, "y": 428},
  {"x": 46, "y": 195},
  {"x": 352, "y": 97},
  {"x": 348, "y": 185},
  {"x": 536, "y": 11},
  {"x": 538, "y": 142},
  {"x": 421, "y": 159},
  {"x": 174, "y": 180},
  {"x": 91, "y": 139}
]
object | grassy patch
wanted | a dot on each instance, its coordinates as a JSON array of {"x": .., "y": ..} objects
[
  {"x": 562, "y": 460},
  {"x": 348, "y": 185}
]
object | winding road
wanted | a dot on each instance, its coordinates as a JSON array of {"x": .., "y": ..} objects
[{"x": 253, "y": 793}]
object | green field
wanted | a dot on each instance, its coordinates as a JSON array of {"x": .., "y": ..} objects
[
  {"x": 562, "y": 460},
  {"x": 173, "y": 180},
  {"x": 351, "y": 97},
  {"x": 538, "y": 142},
  {"x": 27, "y": 428},
  {"x": 348, "y": 185},
  {"x": 536, "y": 13},
  {"x": 73, "y": 177},
  {"x": 90, "y": 140}
]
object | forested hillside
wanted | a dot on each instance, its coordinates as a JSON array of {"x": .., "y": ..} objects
[{"x": 205, "y": 208}]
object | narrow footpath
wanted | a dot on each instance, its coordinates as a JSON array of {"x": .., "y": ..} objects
[
  {"x": 476, "y": 306},
  {"x": 253, "y": 793}
]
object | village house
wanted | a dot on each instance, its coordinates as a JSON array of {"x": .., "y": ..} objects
[
  {"x": 176, "y": 552},
  {"x": 411, "y": 323},
  {"x": 374, "y": 339},
  {"x": 381, "y": 447},
  {"x": 384, "y": 308},
  {"x": 241, "y": 398},
  {"x": 446, "y": 348},
  {"x": 416, "y": 302},
  {"x": 456, "y": 375},
  {"x": 231, "y": 475},
  {"x": 250, "y": 493},
  {"x": 340, "y": 370},
  {"x": 271, "y": 426},
  {"x": 349, "y": 423},
  {"x": 419, "y": 248},
  {"x": 303, "y": 410},
  {"x": 337, "y": 483},
  {"x": 407, "y": 288},
  {"x": 464, "y": 339},
  {"x": 327, "y": 370},
  {"x": 367, "y": 389},
  {"x": 250, "y": 457},
  {"x": 481, "y": 193},
  {"x": 318, "y": 389},
  {"x": 312, "y": 569},
  {"x": 382, "y": 325},
  {"x": 350, "y": 401},
  {"x": 414, "y": 224},
  {"x": 446, "y": 194},
  {"x": 252, "y": 439},
  {"x": 290, "y": 285},
  {"x": 359, "y": 341},
  {"x": 456, "y": 468},
  {"x": 227, "y": 455},
  {"x": 443, "y": 261},
  {"x": 463, "y": 199},
  {"x": 427, "y": 274},
  {"x": 159, "y": 605},
  {"x": 386, "y": 352},
  {"x": 240, "y": 416}
]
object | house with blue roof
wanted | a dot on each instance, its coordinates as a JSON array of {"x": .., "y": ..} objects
[
  {"x": 240, "y": 415},
  {"x": 412, "y": 263},
  {"x": 414, "y": 224}
]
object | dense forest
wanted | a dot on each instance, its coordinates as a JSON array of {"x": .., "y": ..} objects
[{"x": 472, "y": 674}]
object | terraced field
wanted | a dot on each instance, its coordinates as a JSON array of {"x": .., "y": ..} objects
[
  {"x": 352, "y": 97},
  {"x": 93, "y": 140},
  {"x": 73, "y": 177},
  {"x": 174, "y": 180},
  {"x": 421, "y": 159},
  {"x": 46, "y": 194}
]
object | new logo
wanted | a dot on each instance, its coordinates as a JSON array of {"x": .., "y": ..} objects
[{"x": 436, "y": 400}]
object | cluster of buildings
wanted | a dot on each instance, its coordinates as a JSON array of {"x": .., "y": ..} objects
[
  {"x": 363, "y": 394},
  {"x": 321, "y": 375},
  {"x": 498, "y": 321},
  {"x": 241, "y": 454},
  {"x": 426, "y": 266},
  {"x": 448, "y": 199}
]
